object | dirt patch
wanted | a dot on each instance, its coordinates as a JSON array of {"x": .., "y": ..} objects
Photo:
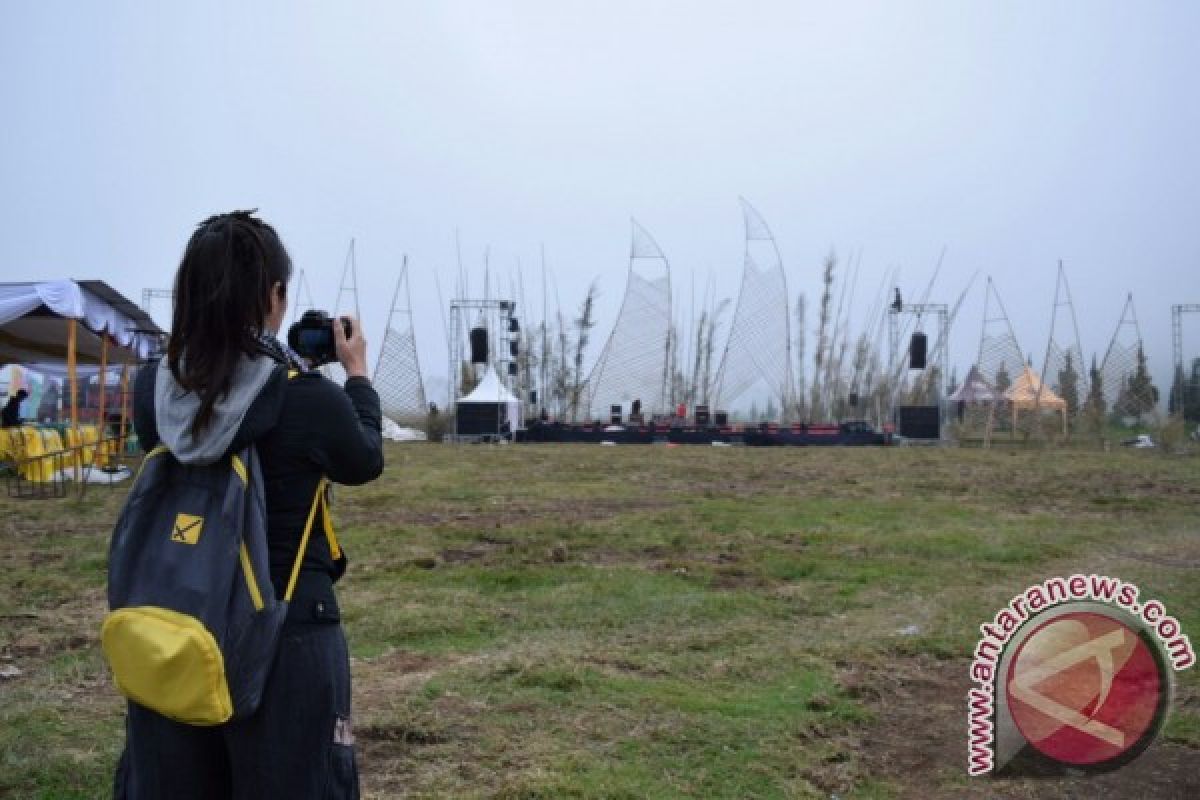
[
  {"x": 501, "y": 517},
  {"x": 917, "y": 743},
  {"x": 400, "y": 733}
]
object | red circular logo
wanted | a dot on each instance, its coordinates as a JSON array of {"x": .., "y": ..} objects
[{"x": 1085, "y": 688}]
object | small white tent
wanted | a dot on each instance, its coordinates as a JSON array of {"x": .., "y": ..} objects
[{"x": 490, "y": 408}]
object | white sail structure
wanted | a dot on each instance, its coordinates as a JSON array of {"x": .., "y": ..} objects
[
  {"x": 347, "y": 303},
  {"x": 757, "y": 361},
  {"x": 398, "y": 371},
  {"x": 999, "y": 353},
  {"x": 635, "y": 359}
]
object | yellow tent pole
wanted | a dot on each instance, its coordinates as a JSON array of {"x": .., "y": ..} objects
[
  {"x": 124, "y": 409},
  {"x": 72, "y": 333},
  {"x": 103, "y": 396}
]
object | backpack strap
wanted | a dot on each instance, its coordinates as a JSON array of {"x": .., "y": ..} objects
[{"x": 322, "y": 503}]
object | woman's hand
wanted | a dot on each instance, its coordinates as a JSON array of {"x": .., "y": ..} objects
[{"x": 352, "y": 352}]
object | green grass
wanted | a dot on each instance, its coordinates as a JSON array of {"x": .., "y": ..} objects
[{"x": 644, "y": 622}]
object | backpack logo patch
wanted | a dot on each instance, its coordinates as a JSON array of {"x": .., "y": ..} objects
[{"x": 187, "y": 528}]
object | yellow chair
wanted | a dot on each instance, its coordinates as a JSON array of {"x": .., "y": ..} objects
[
  {"x": 10, "y": 444},
  {"x": 37, "y": 464}
]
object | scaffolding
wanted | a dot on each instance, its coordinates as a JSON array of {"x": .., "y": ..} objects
[
  {"x": 498, "y": 319},
  {"x": 1179, "y": 374}
]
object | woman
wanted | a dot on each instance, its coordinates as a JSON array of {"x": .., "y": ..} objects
[{"x": 223, "y": 384}]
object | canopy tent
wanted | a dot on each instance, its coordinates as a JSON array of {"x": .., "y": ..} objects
[
  {"x": 974, "y": 390},
  {"x": 490, "y": 408},
  {"x": 72, "y": 322},
  {"x": 1028, "y": 394},
  {"x": 36, "y": 318}
]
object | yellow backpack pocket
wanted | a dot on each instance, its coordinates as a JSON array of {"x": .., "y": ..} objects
[{"x": 168, "y": 662}]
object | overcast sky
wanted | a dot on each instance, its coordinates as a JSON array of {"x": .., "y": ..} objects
[{"x": 1013, "y": 134}]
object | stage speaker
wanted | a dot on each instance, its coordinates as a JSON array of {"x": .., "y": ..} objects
[
  {"x": 701, "y": 415},
  {"x": 721, "y": 418},
  {"x": 853, "y": 399},
  {"x": 512, "y": 348},
  {"x": 533, "y": 397},
  {"x": 919, "y": 422},
  {"x": 512, "y": 368},
  {"x": 916, "y": 351},
  {"x": 513, "y": 325},
  {"x": 614, "y": 415},
  {"x": 479, "y": 346}
]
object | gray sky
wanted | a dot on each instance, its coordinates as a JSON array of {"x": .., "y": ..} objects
[{"x": 1013, "y": 134}]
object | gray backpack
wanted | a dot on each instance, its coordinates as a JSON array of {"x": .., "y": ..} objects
[{"x": 194, "y": 623}]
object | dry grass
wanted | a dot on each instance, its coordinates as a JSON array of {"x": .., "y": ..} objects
[{"x": 574, "y": 621}]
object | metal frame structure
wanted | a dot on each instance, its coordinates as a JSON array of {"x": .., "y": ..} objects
[
  {"x": 630, "y": 355},
  {"x": 754, "y": 343},
  {"x": 1120, "y": 358},
  {"x": 939, "y": 351},
  {"x": 398, "y": 369},
  {"x": 334, "y": 371},
  {"x": 1179, "y": 377},
  {"x": 1056, "y": 355},
  {"x": 495, "y": 316}
]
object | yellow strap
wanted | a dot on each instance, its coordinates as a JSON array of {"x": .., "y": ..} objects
[
  {"x": 157, "y": 451},
  {"x": 334, "y": 549},
  {"x": 251, "y": 581},
  {"x": 240, "y": 469},
  {"x": 318, "y": 499}
]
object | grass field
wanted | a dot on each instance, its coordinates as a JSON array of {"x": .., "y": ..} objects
[{"x": 647, "y": 622}]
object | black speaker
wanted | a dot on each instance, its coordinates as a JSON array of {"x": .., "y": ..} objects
[
  {"x": 853, "y": 399},
  {"x": 512, "y": 368},
  {"x": 479, "y": 346},
  {"x": 513, "y": 325},
  {"x": 919, "y": 422},
  {"x": 512, "y": 348},
  {"x": 614, "y": 415},
  {"x": 533, "y": 397},
  {"x": 721, "y": 418},
  {"x": 701, "y": 415},
  {"x": 916, "y": 351}
]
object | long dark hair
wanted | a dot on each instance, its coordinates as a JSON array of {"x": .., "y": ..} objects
[{"x": 222, "y": 298}]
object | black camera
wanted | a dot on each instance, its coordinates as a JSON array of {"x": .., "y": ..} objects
[{"x": 312, "y": 337}]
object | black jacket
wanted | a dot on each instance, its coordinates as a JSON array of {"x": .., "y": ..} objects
[{"x": 303, "y": 428}]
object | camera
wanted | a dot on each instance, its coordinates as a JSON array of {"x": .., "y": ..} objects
[{"x": 312, "y": 337}]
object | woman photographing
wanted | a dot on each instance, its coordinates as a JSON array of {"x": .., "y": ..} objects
[{"x": 225, "y": 383}]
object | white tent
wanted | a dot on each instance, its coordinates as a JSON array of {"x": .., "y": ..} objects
[
  {"x": 489, "y": 401},
  {"x": 34, "y": 320}
]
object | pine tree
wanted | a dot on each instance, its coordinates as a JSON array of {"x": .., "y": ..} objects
[
  {"x": 1138, "y": 395},
  {"x": 1002, "y": 380},
  {"x": 1068, "y": 385},
  {"x": 1176, "y": 395},
  {"x": 1095, "y": 406}
]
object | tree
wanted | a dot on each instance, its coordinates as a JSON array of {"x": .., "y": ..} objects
[
  {"x": 583, "y": 326},
  {"x": 1002, "y": 380},
  {"x": 1177, "y": 394},
  {"x": 1138, "y": 394},
  {"x": 1094, "y": 407},
  {"x": 952, "y": 384},
  {"x": 1068, "y": 385},
  {"x": 822, "y": 351},
  {"x": 1191, "y": 394}
]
